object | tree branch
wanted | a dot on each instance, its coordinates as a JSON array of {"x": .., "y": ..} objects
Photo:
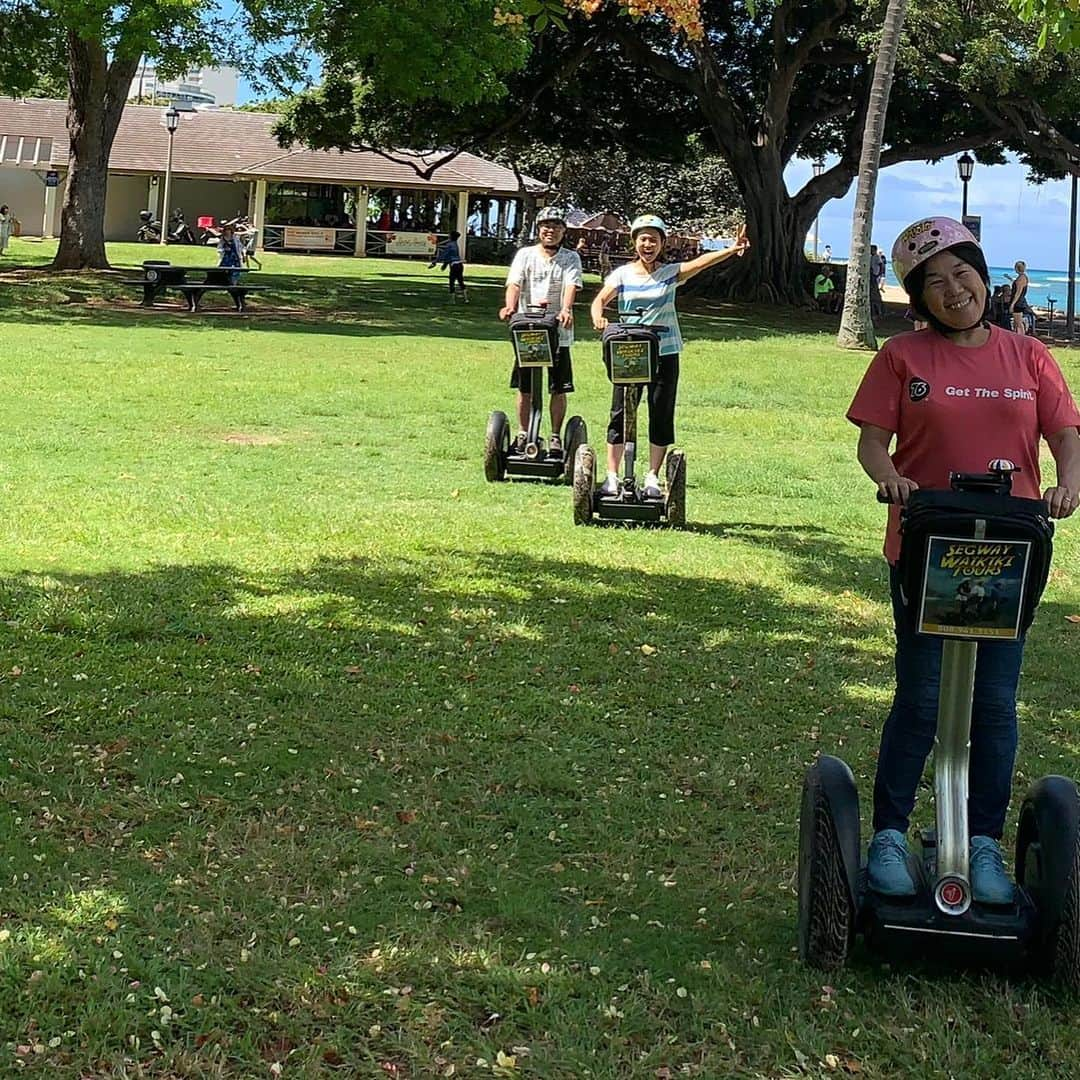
[{"x": 790, "y": 59}]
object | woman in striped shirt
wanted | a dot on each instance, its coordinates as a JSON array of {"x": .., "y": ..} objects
[{"x": 649, "y": 284}]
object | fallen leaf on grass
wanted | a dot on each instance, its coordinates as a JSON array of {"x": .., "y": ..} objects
[
  {"x": 648, "y": 650},
  {"x": 406, "y": 817},
  {"x": 1068, "y": 618}
]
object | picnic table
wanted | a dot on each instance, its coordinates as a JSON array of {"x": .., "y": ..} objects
[{"x": 159, "y": 275}]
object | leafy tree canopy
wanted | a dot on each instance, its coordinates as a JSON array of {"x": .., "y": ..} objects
[{"x": 695, "y": 195}]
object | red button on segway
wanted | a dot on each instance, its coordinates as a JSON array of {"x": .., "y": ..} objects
[{"x": 952, "y": 894}]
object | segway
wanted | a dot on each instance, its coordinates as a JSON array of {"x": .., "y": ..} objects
[
  {"x": 631, "y": 352},
  {"x": 535, "y": 336},
  {"x": 977, "y": 532}
]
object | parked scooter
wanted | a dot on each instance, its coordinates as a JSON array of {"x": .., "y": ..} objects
[
  {"x": 179, "y": 230},
  {"x": 149, "y": 232}
]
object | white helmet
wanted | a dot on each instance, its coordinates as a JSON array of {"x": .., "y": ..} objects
[{"x": 648, "y": 221}]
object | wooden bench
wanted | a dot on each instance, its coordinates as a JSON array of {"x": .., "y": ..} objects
[{"x": 193, "y": 294}]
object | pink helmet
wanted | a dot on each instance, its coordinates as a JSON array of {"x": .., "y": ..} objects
[{"x": 923, "y": 240}]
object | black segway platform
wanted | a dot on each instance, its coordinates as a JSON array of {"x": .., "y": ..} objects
[
  {"x": 535, "y": 336},
  {"x": 631, "y": 351},
  {"x": 974, "y": 562}
]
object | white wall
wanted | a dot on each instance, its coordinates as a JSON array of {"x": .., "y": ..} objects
[
  {"x": 126, "y": 196},
  {"x": 212, "y": 198},
  {"x": 130, "y": 194},
  {"x": 24, "y": 191}
]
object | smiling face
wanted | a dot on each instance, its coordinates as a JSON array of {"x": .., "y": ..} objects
[
  {"x": 550, "y": 233},
  {"x": 953, "y": 292},
  {"x": 648, "y": 244}
]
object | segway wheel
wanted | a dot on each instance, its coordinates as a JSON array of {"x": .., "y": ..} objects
[
  {"x": 496, "y": 447},
  {"x": 1048, "y": 867},
  {"x": 575, "y": 434},
  {"x": 584, "y": 484},
  {"x": 826, "y": 912},
  {"x": 675, "y": 502}
]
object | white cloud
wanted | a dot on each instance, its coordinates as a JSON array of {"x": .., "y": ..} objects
[{"x": 1019, "y": 220}]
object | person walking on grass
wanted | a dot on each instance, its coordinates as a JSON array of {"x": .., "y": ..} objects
[
  {"x": 546, "y": 273},
  {"x": 449, "y": 255},
  {"x": 955, "y": 397},
  {"x": 5, "y": 228},
  {"x": 230, "y": 252},
  {"x": 650, "y": 283}
]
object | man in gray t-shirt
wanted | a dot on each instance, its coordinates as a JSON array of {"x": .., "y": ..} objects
[{"x": 546, "y": 274}]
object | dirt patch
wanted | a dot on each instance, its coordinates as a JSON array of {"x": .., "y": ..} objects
[{"x": 246, "y": 438}]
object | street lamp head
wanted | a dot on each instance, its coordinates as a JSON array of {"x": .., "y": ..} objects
[
  {"x": 172, "y": 119},
  {"x": 965, "y": 165},
  {"x": 819, "y": 167}
]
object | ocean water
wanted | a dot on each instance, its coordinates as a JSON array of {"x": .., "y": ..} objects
[{"x": 1043, "y": 283}]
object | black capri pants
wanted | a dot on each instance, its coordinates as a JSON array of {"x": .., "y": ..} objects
[
  {"x": 457, "y": 276},
  {"x": 661, "y": 404}
]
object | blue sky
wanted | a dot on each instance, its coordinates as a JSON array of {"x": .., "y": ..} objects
[{"x": 1019, "y": 220}]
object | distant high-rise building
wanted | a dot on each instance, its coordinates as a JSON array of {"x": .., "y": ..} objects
[{"x": 198, "y": 88}]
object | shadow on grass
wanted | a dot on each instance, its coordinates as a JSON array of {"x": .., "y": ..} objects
[
  {"x": 481, "y": 764},
  {"x": 379, "y": 303}
]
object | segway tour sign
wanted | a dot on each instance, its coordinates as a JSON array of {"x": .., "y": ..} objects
[
  {"x": 631, "y": 361},
  {"x": 974, "y": 588},
  {"x": 533, "y": 348}
]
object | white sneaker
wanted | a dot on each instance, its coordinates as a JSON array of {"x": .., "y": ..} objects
[
  {"x": 611, "y": 485},
  {"x": 652, "y": 486}
]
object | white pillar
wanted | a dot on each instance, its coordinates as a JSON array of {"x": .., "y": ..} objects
[
  {"x": 360, "y": 216},
  {"x": 48, "y": 218},
  {"x": 462, "y": 219},
  {"x": 152, "y": 189},
  {"x": 168, "y": 191},
  {"x": 259, "y": 213}
]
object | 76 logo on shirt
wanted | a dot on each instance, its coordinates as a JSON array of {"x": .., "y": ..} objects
[{"x": 918, "y": 389}]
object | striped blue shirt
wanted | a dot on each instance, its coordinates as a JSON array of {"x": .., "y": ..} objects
[{"x": 655, "y": 293}]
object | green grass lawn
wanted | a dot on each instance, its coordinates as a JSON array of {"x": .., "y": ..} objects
[{"x": 321, "y": 756}]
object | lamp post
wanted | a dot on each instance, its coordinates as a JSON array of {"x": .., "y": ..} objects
[
  {"x": 965, "y": 166},
  {"x": 1070, "y": 301},
  {"x": 819, "y": 168},
  {"x": 172, "y": 122}
]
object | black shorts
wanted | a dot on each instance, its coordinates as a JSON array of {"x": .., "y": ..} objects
[
  {"x": 560, "y": 375},
  {"x": 661, "y": 404},
  {"x": 1023, "y": 308}
]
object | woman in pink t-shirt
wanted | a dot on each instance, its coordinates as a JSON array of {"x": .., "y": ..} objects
[{"x": 955, "y": 397}]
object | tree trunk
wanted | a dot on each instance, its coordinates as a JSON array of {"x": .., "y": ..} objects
[
  {"x": 856, "y": 322},
  {"x": 774, "y": 268},
  {"x": 97, "y": 91}
]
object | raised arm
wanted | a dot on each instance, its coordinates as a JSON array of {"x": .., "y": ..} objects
[{"x": 688, "y": 269}]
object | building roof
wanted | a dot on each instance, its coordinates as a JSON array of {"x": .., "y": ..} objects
[{"x": 229, "y": 144}]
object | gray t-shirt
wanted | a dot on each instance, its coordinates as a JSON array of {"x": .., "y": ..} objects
[{"x": 541, "y": 278}]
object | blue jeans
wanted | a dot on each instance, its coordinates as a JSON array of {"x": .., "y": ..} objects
[{"x": 912, "y": 722}]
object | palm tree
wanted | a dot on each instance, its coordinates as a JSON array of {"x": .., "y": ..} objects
[{"x": 856, "y": 325}]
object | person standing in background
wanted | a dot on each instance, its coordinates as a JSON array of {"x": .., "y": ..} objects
[{"x": 5, "y": 227}]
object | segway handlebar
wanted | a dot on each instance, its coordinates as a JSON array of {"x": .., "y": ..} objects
[{"x": 998, "y": 481}]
